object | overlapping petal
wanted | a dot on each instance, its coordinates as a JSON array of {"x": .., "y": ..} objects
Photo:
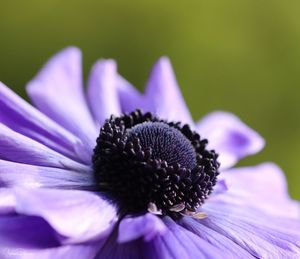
[
  {"x": 182, "y": 243},
  {"x": 57, "y": 91},
  {"x": 262, "y": 187},
  {"x": 129, "y": 97},
  {"x": 78, "y": 216},
  {"x": 162, "y": 95},
  {"x": 231, "y": 138},
  {"x": 147, "y": 226},
  {"x": 19, "y": 148},
  {"x": 32, "y": 176},
  {"x": 102, "y": 90},
  {"x": 176, "y": 243},
  {"x": 23, "y": 118}
]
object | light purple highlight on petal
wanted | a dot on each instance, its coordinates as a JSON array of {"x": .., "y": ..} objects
[
  {"x": 57, "y": 91},
  {"x": 18, "y": 148},
  {"x": 84, "y": 251},
  {"x": 163, "y": 96},
  {"x": 23, "y": 118},
  {"x": 31, "y": 176},
  {"x": 102, "y": 90},
  {"x": 230, "y": 137},
  {"x": 147, "y": 226},
  {"x": 7, "y": 201},
  {"x": 78, "y": 215},
  {"x": 261, "y": 187}
]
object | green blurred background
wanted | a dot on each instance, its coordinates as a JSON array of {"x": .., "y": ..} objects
[{"x": 240, "y": 56}]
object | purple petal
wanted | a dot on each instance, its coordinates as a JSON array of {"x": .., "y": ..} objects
[
  {"x": 30, "y": 176},
  {"x": 163, "y": 96},
  {"x": 176, "y": 243},
  {"x": 17, "y": 232},
  {"x": 7, "y": 201},
  {"x": 281, "y": 225},
  {"x": 57, "y": 91},
  {"x": 18, "y": 148},
  {"x": 78, "y": 215},
  {"x": 182, "y": 243},
  {"x": 262, "y": 235},
  {"x": 261, "y": 187},
  {"x": 215, "y": 238},
  {"x": 220, "y": 187},
  {"x": 129, "y": 97},
  {"x": 102, "y": 90},
  {"x": 111, "y": 249},
  {"x": 230, "y": 137},
  {"x": 147, "y": 226},
  {"x": 23, "y": 118},
  {"x": 85, "y": 251}
]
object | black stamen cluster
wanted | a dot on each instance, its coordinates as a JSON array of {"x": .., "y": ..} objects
[{"x": 141, "y": 159}]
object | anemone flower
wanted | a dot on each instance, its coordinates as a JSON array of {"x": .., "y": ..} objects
[{"x": 113, "y": 173}]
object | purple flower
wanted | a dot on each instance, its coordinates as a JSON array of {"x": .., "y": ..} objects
[{"x": 149, "y": 187}]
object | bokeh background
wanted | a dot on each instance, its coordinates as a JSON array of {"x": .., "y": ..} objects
[{"x": 240, "y": 56}]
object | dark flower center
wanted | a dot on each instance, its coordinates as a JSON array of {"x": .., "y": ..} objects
[
  {"x": 144, "y": 163},
  {"x": 167, "y": 143}
]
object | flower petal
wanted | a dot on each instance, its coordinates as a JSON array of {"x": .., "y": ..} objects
[
  {"x": 86, "y": 251},
  {"x": 57, "y": 91},
  {"x": 18, "y": 148},
  {"x": 215, "y": 238},
  {"x": 129, "y": 97},
  {"x": 147, "y": 226},
  {"x": 77, "y": 215},
  {"x": 111, "y": 249},
  {"x": 220, "y": 187},
  {"x": 163, "y": 96},
  {"x": 262, "y": 235},
  {"x": 230, "y": 137},
  {"x": 261, "y": 187},
  {"x": 182, "y": 243},
  {"x": 17, "y": 232},
  {"x": 176, "y": 243},
  {"x": 23, "y": 118},
  {"x": 30, "y": 176},
  {"x": 102, "y": 90},
  {"x": 7, "y": 201}
]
